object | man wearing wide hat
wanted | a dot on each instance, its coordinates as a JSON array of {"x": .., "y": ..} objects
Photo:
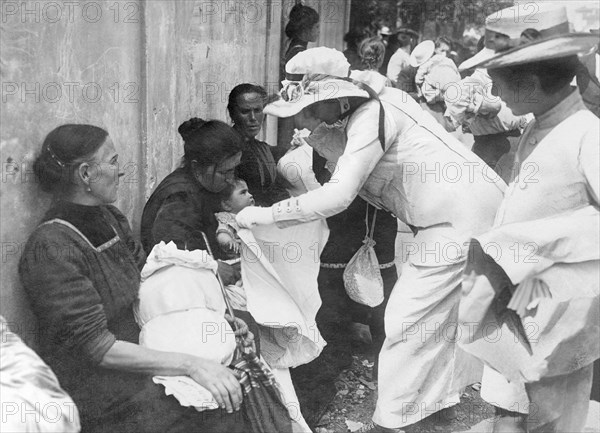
[{"x": 540, "y": 284}]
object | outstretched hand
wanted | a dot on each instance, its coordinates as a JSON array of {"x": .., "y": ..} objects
[{"x": 254, "y": 215}]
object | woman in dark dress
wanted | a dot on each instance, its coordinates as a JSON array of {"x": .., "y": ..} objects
[
  {"x": 80, "y": 269},
  {"x": 302, "y": 28},
  {"x": 257, "y": 166},
  {"x": 184, "y": 204}
]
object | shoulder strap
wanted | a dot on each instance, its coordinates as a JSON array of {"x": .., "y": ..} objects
[
  {"x": 98, "y": 249},
  {"x": 372, "y": 95},
  {"x": 370, "y": 233}
]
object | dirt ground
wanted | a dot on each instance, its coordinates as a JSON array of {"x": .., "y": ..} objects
[{"x": 345, "y": 401}]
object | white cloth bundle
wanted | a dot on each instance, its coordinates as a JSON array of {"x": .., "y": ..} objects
[{"x": 181, "y": 309}]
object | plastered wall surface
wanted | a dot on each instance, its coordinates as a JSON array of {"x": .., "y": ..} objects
[{"x": 136, "y": 68}]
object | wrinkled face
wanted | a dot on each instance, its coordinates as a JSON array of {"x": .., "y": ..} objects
[
  {"x": 103, "y": 173},
  {"x": 239, "y": 199},
  {"x": 216, "y": 177},
  {"x": 520, "y": 93},
  {"x": 248, "y": 114}
]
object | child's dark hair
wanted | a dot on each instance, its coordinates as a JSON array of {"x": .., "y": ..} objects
[{"x": 225, "y": 194}]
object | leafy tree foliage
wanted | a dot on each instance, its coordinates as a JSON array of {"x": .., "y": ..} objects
[{"x": 450, "y": 17}]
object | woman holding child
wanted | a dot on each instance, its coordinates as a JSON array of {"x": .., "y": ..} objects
[
  {"x": 81, "y": 270},
  {"x": 184, "y": 204}
]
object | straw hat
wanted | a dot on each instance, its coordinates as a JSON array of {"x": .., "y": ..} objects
[
  {"x": 314, "y": 75},
  {"x": 421, "y": 53},
  {"x": 524, "y": 34}
]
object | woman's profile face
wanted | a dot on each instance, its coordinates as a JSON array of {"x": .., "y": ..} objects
[
  {"x": 104, "y": 173},
  {"x": 216, "y": 177},
  {"x": 313, "y": 33},
  {"x": 306, "y": 119},
  {"x": 248, "y": 114}
]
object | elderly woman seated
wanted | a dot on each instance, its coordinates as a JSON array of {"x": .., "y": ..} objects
[{"x": 80, "y": 269}]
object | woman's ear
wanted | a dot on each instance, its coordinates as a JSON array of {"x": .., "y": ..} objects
[{"x": 84, "y": 174}]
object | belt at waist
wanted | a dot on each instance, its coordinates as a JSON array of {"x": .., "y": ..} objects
[{"x": 343, "y": 265}]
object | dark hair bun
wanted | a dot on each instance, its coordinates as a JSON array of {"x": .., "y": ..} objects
[
  {"x": 63, "y": 148},
  {"x": 189, "y": 127},
  {"x": 208, "y": 142},
  {"x": 301, "y": 18}
]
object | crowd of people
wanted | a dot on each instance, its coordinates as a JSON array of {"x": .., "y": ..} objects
[{"x": 375, "y": 153}]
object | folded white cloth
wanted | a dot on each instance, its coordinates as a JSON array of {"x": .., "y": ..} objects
[
  {"x": 181, "y": 309},
  {"x": 177, "y": 280},
  {"x": 165, "y": 255}
]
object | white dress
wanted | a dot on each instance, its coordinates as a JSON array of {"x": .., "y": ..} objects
[{"x": 429, "y": 181}]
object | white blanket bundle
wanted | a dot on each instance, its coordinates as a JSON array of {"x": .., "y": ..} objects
[{"x": 181, "y": 309}]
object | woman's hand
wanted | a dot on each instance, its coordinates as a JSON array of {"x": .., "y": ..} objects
[
  {"x": 253, "y": 215},
  {"x": 220, "y": 381}
]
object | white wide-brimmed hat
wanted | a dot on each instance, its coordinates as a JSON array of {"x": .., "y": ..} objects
[
  {"x": 528, "y": 32},
  {"x": 314, "y": 75},
  {"x": 421, "y": 53}
]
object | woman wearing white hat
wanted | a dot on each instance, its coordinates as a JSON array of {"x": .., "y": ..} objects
[
  {"x": 436, "y": 73},
  {"x": 397, "y": 158},
  {"x": 552, "y": 205}
]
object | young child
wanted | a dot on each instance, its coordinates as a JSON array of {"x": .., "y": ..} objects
[{"x": 234, "y": 198}]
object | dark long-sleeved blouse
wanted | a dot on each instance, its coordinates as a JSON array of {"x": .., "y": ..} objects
[
  {"x": 80, "y": 269},
  {"x": 259, "y": 169},
  {"x": 179, "y": 210}
]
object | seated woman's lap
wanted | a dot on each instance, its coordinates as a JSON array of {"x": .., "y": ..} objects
[{"x": 146, "y": 408}]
